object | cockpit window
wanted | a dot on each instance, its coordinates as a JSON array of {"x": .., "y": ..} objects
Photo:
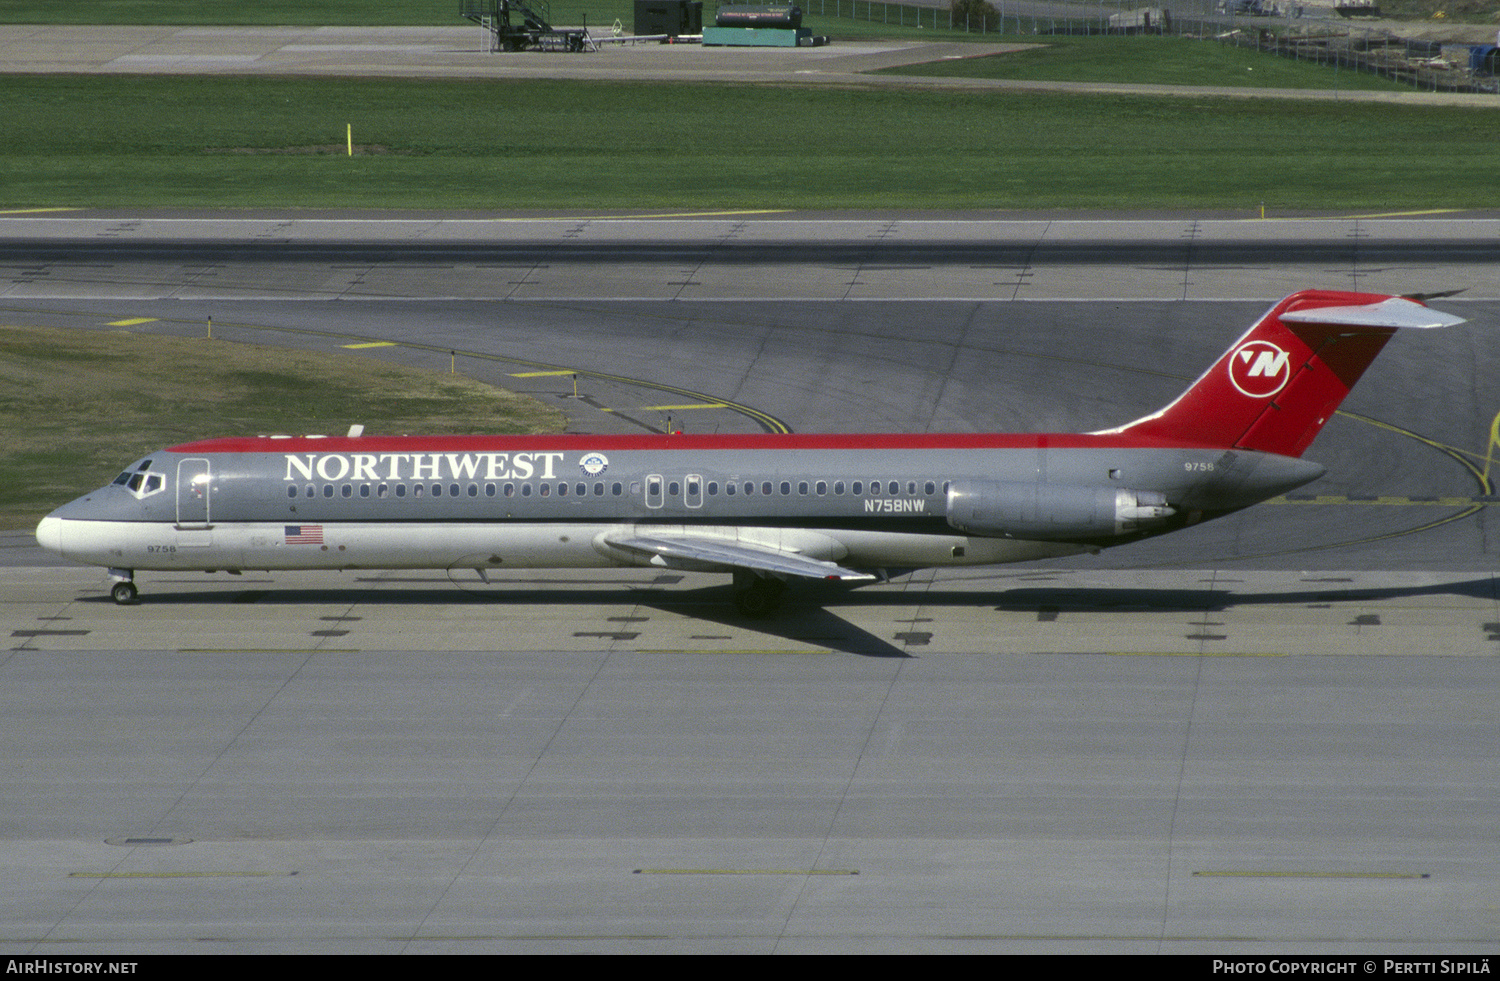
[
  {"x": 124, "y": 479},
  {"x": 142, "y": 485}
]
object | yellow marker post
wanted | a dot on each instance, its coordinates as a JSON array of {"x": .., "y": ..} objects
[{"x": 349, "y": 135}]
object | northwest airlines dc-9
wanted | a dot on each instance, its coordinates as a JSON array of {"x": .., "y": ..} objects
[{"x": 768, "y": 508}]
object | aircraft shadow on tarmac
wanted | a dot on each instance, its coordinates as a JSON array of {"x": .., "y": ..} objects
[
  {"x": 1171, "y": 600},
  {"x": 810, "y": 614}
]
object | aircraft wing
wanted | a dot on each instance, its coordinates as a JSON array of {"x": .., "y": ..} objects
[{"x": 707, "y": 554}]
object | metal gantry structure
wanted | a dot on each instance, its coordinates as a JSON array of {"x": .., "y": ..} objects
[{"x": 519, "y": 26}]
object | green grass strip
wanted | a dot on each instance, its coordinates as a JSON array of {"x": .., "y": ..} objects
[
  {"x": 1152, "y": 61},
  {"x": 159, "y": 141}
]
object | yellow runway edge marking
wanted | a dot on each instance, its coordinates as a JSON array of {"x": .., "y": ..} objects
[
  {"x": 680, "y": 214},
  {"x": 1246, "y": 874},
  {"x": 540, "y": 374},
  {"x": 1388, "y": 214},
  {"x": 356, "y": 347},
  {"x": 747, "y": 872},
  {"x": 131, "y": 322},
  {"x": 1194, "y": 653},
  {"x": 729, "y": 650},
  {"x": 174, "y": 875}
]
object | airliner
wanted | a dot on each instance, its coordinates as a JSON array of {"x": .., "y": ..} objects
[{"x": 768, "y": 509}]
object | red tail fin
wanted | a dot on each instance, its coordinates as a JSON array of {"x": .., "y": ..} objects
[{"x": 1276, "y": 386}]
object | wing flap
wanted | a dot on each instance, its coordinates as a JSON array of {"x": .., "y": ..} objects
[{"x": 689, "y": 551}]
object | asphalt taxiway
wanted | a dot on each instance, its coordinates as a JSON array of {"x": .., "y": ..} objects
[{"x": 1270, "y": 733}]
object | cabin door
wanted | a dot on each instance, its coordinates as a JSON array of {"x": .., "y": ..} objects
[{"x": 194, "y": 483}]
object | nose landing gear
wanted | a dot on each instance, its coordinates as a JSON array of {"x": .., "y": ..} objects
[{"x": 123, "y": 592}]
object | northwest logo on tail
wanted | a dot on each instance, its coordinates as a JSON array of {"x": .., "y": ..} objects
[{"x": 1259, "y": 369}]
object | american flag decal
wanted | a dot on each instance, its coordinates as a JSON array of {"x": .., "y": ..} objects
[{"x": 304, "y": 534}]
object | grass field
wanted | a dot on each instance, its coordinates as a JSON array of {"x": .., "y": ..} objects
[
  {"x": 74, "y": 408},
  {"x": 1153, "y": 61},
  {"x": 157, "y": 141}
]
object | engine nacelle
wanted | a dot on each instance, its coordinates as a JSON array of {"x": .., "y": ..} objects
[{"x": 1051, "y": 512}]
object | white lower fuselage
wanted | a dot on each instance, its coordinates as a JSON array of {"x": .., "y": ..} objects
[{"x": 236, "y": 546}]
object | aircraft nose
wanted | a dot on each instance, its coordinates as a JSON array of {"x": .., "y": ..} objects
[{"x": 49, "y": 534}]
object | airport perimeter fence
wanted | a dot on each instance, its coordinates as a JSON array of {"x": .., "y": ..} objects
[{"x": 1343, "y": 44}]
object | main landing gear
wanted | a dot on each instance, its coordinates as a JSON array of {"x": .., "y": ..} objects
[
  {"x": 756, "y": 596},
  {"x": 123, "y": 592}
]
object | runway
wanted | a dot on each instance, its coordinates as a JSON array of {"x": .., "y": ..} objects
[{"x": 1270, "y": 734}]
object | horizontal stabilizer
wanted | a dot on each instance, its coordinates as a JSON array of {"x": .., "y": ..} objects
[{"x": 1397, "y": 312}]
